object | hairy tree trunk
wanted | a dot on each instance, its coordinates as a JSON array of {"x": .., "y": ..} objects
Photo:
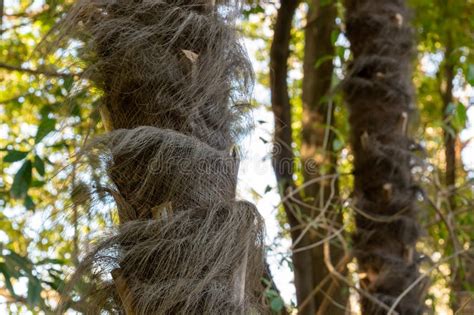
[
  {"x": 317, "y": 156},
  {"x": 380, "y": 98},
  {"x": 169, "y": 71}
]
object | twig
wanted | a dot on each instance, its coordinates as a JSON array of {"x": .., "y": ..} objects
[
  {"x": 340, "y": 265},
  {"x": 38, "y": 71},
  {"x": 464, "y": 305},
  {"x": 452, "y": 234},
  {"x": 321, "y": 242},
  {"x": 337, "y": 274},
  {"x": 1, "y": 14},
  {"x": 392, "y": 311}
]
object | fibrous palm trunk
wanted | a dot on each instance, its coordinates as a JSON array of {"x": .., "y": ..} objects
[
  {"x": 173, "y": 75},
  {"x": 380, "y": 98}
]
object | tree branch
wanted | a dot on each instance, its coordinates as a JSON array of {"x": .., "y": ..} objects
[
  {"x": 1, "y": 14},
  {"x": 44, "y": 72}
]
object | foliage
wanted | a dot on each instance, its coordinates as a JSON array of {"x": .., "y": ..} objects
[{"x": 43, "y": 128}]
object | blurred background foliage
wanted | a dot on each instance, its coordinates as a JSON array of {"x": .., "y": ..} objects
[{"x": 48, "y": 111}]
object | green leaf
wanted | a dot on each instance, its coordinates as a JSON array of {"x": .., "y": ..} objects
[
  {"x": 37, "y": 183},
  {"x": 255, "y": 9},
  {"x": 266, "y": 282},
  {"x": 14, "y": 156},
  {"x": 334, "y": 36},
  {"x": 57, "y": 278},
  {"x": 38, "y": 164},
  {"x": 460, "y": 118},
  {"x": 45, "y": 110},
  {"x": 7, "y": 275},
  {"x": 270, "y": 293},
  {"x": 340, "y": 52},
  {"x": 268, "y": 189},
  {"x": 322, "y": 60},
  {"x": 51, "y": 261},
  {"x": 470, "y": 75},
  {"x": 22, "y": 262},
  {"x": 68, "y": 82},
  {"x": 450, "y": 109},
  {"x": 277, "y": 304},
  {"x": 22, "y": 181},
  {"x": 324, "y": 3},
  {"x": 12, "y": 267},
  {"x": 29, "y": 203},
  {"x": 34, "y": 291},
  {"x": 337, "y": 145},
  {"x": 46, "y": 126}
]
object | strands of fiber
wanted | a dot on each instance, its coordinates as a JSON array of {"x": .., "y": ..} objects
[{"x": 175, "y": 84}]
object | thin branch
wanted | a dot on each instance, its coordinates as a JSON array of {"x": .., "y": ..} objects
[
  {"x": 392, "y": 311},
  {"x": 13, "y": 27},
  {"x": 466, "y": 303},
  {"x": 1, "y": 14},
  {"x": 338, "y": 275},
  {"x": 451, "y": 229},
  {"x": 46, "y": 73},
  {"x": 340, "y": 266}
]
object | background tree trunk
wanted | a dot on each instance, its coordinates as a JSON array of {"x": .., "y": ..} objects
[
  {"x": 309, "y": 266},
  {"x": 449, "y": 137},
  {"x": 283, "y": 157},
  {"x": 317, "y": 155},
  {"x": 379, "y": 94},
  {"x": 461, "y": 265}
]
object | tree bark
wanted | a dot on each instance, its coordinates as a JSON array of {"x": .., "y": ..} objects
[
  {"x": 309, "y": 266},
  {"x": 283, "y": 153},
  {"x": 317, "y": 156},
  {"x": 461, "y": 265},
  {"x": 169, "y": 72},
  {"x": 449, "y": 132},
  {"x": 1, "y": 16},
  {"x": 380, "y": 97}
]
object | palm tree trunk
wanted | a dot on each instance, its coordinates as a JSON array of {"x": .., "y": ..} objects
[
  {"x": 380, "y": 97},
  {"x": 170, "y": 71}
]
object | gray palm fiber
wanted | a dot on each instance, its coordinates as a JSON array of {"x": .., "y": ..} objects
[{"x": 175, "y": 82}]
